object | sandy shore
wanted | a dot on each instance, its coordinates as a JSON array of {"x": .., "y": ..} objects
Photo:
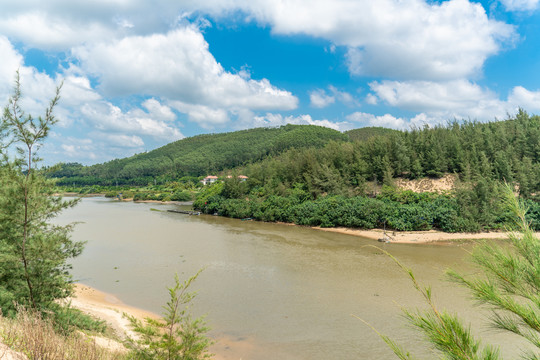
[
  {"x": 107, "y": 307},
  {"x": 110, "y": 309},
  {"x": 417, "y": 237}
]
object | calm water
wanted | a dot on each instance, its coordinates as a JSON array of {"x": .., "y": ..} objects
[{"x": 289, "y": 292}]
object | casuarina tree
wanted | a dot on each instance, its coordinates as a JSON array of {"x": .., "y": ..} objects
[{"x": 34, "y": 253}]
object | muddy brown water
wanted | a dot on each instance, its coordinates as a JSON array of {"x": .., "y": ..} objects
[{"x": 283, "y": 292}]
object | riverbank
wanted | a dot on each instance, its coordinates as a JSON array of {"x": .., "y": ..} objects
[
  {"x": 417, "y": 237},
  {"x": 109, "y": 308}
]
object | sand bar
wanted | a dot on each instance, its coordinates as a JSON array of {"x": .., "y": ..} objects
[{"x": 417, "y": 237}]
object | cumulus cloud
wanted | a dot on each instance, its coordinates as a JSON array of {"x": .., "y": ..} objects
[
  {"x": 411, "y": 39},
  {"x": 438, "y": 102},
  {"x": 386, "y": 120},
  {"x": 38, "y": 88},
  {"x": 52, "y": 32},
  {"x": 320, "y": 98},
  {"x": 105, "y": 116},
  {"x": 90, "y": 150},
  {"x": 158, "y": 111},
  {"x": 429, "y": 95},
  {"x": 179, "y": 67},
  {"x": 271, "y": 119},
  {"x": 206, "y": 116},
  {"x": 74, "y": 149},
  {"x": 521, "y": 97},
  {"x": 520, "y": 5},
  {"x": 11, "y": 60}
]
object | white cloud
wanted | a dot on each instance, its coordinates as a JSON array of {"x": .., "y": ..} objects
[
  {"x": 91, "y": 149},
  {"x": 104, "y": 116},
  {"x": 206, "y": 116},
  {"x": 411, "y": 39},
  {"x": 428, "y": 95},
  {"x": 436, "y": 103},
  {"x": 178, "y": 66},
  {"x": 520, "y": 5},
  {"x": 77, "y": 90},
  {"x": 271, "y": 119},
  {"x": 128, "y": 47},
  {"x": 10, "y": 61},
  {"x": 43, "y": 30},
  {"x": 319, "y": 99},
  {"x": 158, "y": 111},
  {"x": 69, "y": 148},
  {"x": 408, "y": 39},
  {"x": 385, "y": 120},
  {"x": 521, "y": 97},
  {"x": 37, "y": 88},
  {"x": 125, "y": 141}
]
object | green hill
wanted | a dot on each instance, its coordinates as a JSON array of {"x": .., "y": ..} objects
[{"x": 199, "y": 155}]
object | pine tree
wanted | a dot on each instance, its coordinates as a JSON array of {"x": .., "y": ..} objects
[
  {"x": 33, "y": 253},
  {"x": 175, "y": 337}
]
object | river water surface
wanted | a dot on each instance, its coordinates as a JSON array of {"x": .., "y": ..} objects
[{"x": 270, "y": 291}]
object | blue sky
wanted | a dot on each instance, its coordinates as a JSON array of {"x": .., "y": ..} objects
[{"x": 138, "y": 74}]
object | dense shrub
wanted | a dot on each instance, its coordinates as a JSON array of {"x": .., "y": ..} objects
[
  {"x": 405, "y": 212},
  {"x": 181, "y": 196}
]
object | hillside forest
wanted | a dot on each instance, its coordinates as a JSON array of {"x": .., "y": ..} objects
[{"x": 314, "y": 176}]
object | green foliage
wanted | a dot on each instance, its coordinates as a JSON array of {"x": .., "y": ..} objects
[
  {"x": 182, "y": 196},
  {"x": 366, "y": 133},
  {"x": 66, "y": 319},
  {"x": 209, "y": 195},
  {"x": 34, "y": 254},
  {"x": 394, "y": 209},
  {"x": 176, "y": 336}
]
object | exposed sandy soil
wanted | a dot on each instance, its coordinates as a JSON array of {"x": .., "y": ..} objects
[
  {"x": 7, "y": 354},
  {"x": 446, "y": 183}
]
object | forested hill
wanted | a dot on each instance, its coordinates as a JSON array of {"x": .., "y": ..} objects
[
  {"x": 199, "y": 155},
  {"x": 506, "y": 150}
]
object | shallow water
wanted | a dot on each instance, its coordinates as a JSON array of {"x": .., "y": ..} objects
[{"x": 290, "y": 292}]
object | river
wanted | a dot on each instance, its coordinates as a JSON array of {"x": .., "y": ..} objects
[{"x": 270, "y": 291}]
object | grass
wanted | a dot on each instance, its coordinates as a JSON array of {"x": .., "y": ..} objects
[{"x": 36, "y": 338}]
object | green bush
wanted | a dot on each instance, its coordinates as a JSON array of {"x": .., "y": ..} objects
[{"x": 181, "y": 196}]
